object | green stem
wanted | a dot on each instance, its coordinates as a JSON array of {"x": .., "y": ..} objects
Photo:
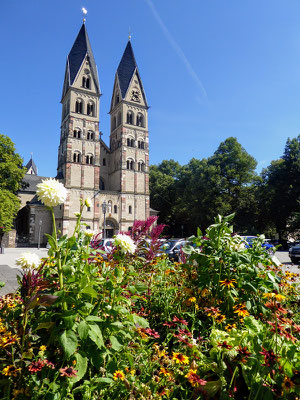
[{"x": 58, "y": 257}]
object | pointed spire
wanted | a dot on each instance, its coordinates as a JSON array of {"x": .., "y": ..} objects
[
  {"x": 80, "y": 49},
  {"x": 31, "y": 167},
  {"x": 126, "y": 69}
]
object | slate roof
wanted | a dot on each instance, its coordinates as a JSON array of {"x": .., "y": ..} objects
[
  {"x": 31, "y": 164},
  {"x": 31, "y": 181},
  {"x": 80, "y": 49},
  {"x": 126, "y": 69}
]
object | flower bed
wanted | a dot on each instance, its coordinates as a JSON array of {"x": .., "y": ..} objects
[{"x": 223, "y": 323}]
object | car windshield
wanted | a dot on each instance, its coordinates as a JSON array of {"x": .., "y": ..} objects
[{"x": 169, "y": 244}]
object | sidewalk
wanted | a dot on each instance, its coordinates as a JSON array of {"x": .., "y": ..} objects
[{"x": 9, "y": 270}]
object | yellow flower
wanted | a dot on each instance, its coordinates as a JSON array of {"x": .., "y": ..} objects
[
  {"x": 269, "y": 295},
  {"x": 280, "y": 297},
  {"x": 229, "y": 327},
  {"x": 43, "y": 348},
  {"x": 228, "y": 283},
  {"x": 192, "y": 299},
  {"x": 180, "y": 358},
  {"x": 240, "y": 310},
  {"x": 220, "y": 318},
  {"x": 119, "y": 375},
  {"x": 163, "y": 371},
  {"x": 10, "y": 370}
]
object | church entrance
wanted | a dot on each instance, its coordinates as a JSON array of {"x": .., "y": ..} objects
[
  {"x": 22, "y": 226},
  {"x": 111, "y": 228}
]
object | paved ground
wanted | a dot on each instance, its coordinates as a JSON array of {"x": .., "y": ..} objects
[{"x": 9, "y": 270}]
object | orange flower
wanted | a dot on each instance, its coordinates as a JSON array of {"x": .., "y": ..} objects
[
  {"x": 240, "y": 310},
  {"x": 220, "y": 318},
  {"x": 163, "y": 371},
  {"x": 119, "y": 375}
]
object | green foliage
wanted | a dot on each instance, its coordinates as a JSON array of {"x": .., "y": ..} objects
[
  {"x": 9, "y": 206},
  {"x": 224, "y": 324},
  {"x": 11, "y": 166}
]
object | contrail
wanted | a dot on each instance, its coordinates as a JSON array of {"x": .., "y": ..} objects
[{"x": 177, "y": 48}]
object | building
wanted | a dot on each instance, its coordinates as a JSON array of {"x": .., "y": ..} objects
[{"x": 116, "y": 173}]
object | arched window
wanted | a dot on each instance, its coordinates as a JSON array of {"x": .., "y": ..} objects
[
  {"x": 90, "y": 135},
  {"x": 117, "y": 99},
  {"x": 141, "y": 144},
  {"x": 119, "y": 119},
  {"x": 130, "y": 117},
  {"x": 132, "y": 143},
  {"x": 90, "y": 108},
  {"x": 141, "y": 166},
  {"x": 130, "y": 210},
  {"x": 89, "y": 159},
  {"x": 128, "y": 142},
  {"x": 77, "y": 157},
  {"x": 128, "y": 164},
  {"x": 115, "y": 209},
  {"x": 85, "y": 82},
  {"x": 79, "y": 106},
  {"x": 109, "y": 204},
  {"x": 140, "y": 120},
  {"x": 77, "y": 133},
  {"x": 132, "y": 165}
]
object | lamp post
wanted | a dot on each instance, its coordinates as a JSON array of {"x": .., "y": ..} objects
[
  {"x": 104, "y": 209},
  {"x": 39, "y": 238}
]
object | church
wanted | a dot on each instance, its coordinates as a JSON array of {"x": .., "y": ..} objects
[{"x": 114, "y": 176}]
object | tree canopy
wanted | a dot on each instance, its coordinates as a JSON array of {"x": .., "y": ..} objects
[
  {"x": 11, "y": 175},
  {"x": 193, "y": 194}
]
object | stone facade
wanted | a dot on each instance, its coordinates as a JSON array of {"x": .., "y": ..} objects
[{"x": 116, "y": 173}]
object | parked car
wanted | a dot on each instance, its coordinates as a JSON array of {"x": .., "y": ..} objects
[
  {"x": 267, "y": 245},
  {"x": 173, "y": 247},
  {"x": 103, "y": 244},
  {"x": 294, "y": 254}
]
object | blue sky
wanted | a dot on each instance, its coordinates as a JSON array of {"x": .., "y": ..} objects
[{"x": 211, "y": 69}]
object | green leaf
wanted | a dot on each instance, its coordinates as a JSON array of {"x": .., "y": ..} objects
[
  {"x": 104, "y": 380},
  {"x": 115, "y": 344},
  {"x": 90, "y": 291},
  {"x": 68, "y": 341},
  {"x": 51, "y": 241},
  {"x": 137, "y": 320},
  {"x": 95, "y": 335},
  {"x": 93, "y": 318},
  {"x": 83, "y": 330},
  {"x": 140, "y": 287},
  {"x": 252, "y": 324},
  {"x": 81, "y": 367},
  {"x": 69, "y": 320}
]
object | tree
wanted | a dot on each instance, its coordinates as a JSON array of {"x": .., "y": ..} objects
[
  {"x": 280, "y": 191},
  {"x": 11, "y": 175}
]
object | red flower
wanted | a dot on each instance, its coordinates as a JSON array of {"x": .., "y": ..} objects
[
  {"x": 180, "y": 321},
  {"x": 270, "y": 357},
  {"x": 225, "y": 345},
  {"x": 151, "y": 332},
  {"x": 68, "y": 371},
  {"x": 36, "y": 366}
]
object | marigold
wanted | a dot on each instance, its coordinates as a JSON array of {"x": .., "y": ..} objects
[
  {"x": 180, "y": 358},
  {"x": 119, "y": 374}
]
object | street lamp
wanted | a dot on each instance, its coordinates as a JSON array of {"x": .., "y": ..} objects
[
  {"x": 39, "y": 239},
  {"x": 104, "y": 209}
]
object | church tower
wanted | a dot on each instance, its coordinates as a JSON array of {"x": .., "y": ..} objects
[
  {"x": 129, "y": 141},
  {"x": 79, "y": 150}
]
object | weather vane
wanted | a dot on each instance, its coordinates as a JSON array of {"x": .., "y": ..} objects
[
  {"x": 84, "y": 12},
  {"x": 129, "y": 34}
]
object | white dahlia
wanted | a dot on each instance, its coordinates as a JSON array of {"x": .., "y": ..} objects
[
  {"x": 51, "y": 192},
  {"x": 28, "y": 260},
  {"x": 125, "y": 243}
]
